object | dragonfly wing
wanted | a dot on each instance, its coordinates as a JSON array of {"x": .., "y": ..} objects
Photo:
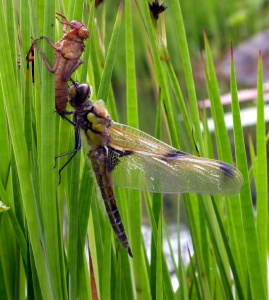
[{"x": 139, "y": 161}]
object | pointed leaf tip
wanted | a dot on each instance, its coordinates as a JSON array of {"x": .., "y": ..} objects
[
  {"x": 121, "y": 6},
  {"x": 232, "y": 53},
  {"x": 205, "y": 35}
]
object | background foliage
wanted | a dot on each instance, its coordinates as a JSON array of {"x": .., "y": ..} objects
[{"x": 55, "y": 240}]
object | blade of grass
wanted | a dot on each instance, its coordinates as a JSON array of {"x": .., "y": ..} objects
[
  {"x": 106, "y": 272},
  {"x": 250, "y": 242},
  {"x": 261, "y": 181},
  {"x": 85, "y": 192},
  {"x": 131, "y": 92},
  {"x": 118, "y": 286},
  {"x": 14, "y": 221},
  {"x": 94, "y": 251},
  {"x": 218, "y": 247},
  {"x": 110, "y": 57},
  {"x": 159, "y": 278},
  {"x": 126, "y": 276},
  {"x": 166, "y": 278},
  {"x": 87, "y": 67},
  {"x": 185, "y": 57},
  {"x": 4, "y": 150},
  {"x": 95, "y": 231},
  {"x": 223, "y": 146},
  {"x": 21, "y": 156},
  {"x": 202, "y": 280},
  {"x": 74, "y": 230},
  {"x": 8, "y": 254},
  {"x": 46, "y": 150},
  {"x": 134, "y": 220},
  {"x": 158, "y": 69}
]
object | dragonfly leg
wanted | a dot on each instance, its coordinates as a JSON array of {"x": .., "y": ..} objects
[
  {"x": 64, "y": 22},
  {"x": 30, "y": 55},
  {"x": 73, "y": 152},
  {"x": 56, "y": 48},
  {"x": 30, "y": 58},
  {"x": 54, "y": 68},
  {"x": 64, "y": 114}
]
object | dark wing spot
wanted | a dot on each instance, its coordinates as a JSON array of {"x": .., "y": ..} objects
[
  {"x": 227, "y": 169},
  {"x": 113, "y": 157},
  {"x": 174, "y": 154}
]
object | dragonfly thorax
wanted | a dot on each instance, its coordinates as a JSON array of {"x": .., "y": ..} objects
[
  {"x": 99, "y": 118},
  {"x": 96, "y": 123}
]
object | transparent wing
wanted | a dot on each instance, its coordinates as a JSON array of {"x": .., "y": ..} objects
[{"x": 139, "y": 161}]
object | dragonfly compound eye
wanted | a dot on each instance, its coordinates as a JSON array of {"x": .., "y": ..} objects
[
  {"x": 84, "y": 91},
  {"x": 79, "y": 93}
]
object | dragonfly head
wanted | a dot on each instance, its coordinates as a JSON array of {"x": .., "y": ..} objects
[
  {"x": 79, "y": 29},
  {"x": 79, "y": 94},
  {"x": 76, "y": 28}
]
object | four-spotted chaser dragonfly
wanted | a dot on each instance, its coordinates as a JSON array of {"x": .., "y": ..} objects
[{"x": 124, "y": 156}]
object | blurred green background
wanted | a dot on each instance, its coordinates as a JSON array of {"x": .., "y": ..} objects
[{"x": 226, "y": 23}]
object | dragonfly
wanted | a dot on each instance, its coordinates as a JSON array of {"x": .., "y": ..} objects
[
  {"x": 127, "y": 157},
  {"x": 68, "y": 51}
]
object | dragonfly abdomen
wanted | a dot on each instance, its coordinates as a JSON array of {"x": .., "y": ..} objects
[
  {"x": 98, "y": 157},
  {"x": 116, "y": 222},
  {"x": 62, "y": 76},
  {"x": 61, "y": 93}
]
